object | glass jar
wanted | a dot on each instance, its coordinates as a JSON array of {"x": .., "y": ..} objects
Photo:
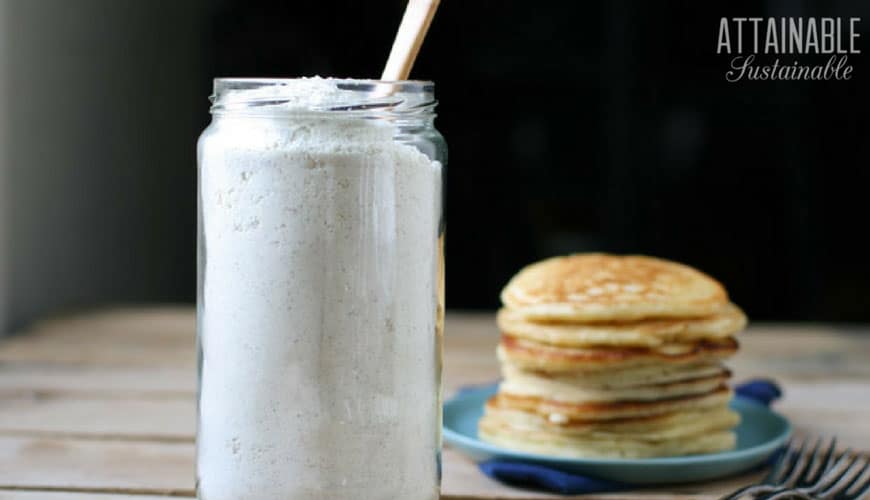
[{"x": 320, "y": 298}]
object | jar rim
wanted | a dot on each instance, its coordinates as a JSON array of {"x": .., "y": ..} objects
[
  {"x": 318, "y": 95},
  {"x": 274, "y": 80}
]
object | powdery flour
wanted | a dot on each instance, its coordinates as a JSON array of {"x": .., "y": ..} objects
[{"x": 318, "y": 310}]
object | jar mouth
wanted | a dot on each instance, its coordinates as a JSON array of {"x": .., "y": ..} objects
[{"x": 316, "y": 95}]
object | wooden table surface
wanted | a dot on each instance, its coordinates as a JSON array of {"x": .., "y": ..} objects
[{"x": 102, "y": 405}]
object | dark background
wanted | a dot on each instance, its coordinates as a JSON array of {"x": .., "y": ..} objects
[
  {"x": 577, "y": 126},
  {"x": 572, "y": 126}
]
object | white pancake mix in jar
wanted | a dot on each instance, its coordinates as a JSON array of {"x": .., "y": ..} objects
[{"x": 320, "y": 304}]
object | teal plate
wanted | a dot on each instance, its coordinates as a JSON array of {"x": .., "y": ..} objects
[{"x": 760, "y": 433}]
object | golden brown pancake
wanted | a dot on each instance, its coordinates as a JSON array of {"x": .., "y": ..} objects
[
  {"x": 644, "y": 333},
  {"x": 630, "y": 377},
  {"x": 602, "y": 287},
  {"x": 543, "y": 442},
  {"x": 564, "y": 412},
  {"x": 566, "y": 389},
  {"x": 613, "y": 356},
  {"x": 530, "y": 355},
  {"x": 655, "y": 428}
]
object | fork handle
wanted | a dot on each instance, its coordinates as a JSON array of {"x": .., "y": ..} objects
[
  {"x": 768, "y": 492},
  {"x": 787, "y": 494},
  {"x": 753, "y": 489},
  {"x": 758, "y": 491}
]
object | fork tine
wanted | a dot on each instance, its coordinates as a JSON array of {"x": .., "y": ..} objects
[
  {"x": 800, "y": 465},
  {"x": 861, "y": 490},
  {"x": 854, "y": 483},
  {"x": 814, "y": 466},
  {"x": 830, "y": 484},
  {"x": 844, "y": 480},
  {"x": 780, "y": 465},
  {"x": 830, "y": 455},
  {"x": 784, "y": 453},
  {"x": 786, "y": 464}
]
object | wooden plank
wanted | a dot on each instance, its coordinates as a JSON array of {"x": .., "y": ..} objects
[
  {"x": 89, "y": 379},
  {"x": 164, "y": 337},
  {"x": 815, "y": 408},
  {"x": 98, "y": 418},
  {"x": 97, "y": 466},
  {"x": 67, "y": 495},
  {"x": 83, "y": 400},
  {"x": 85, "y": 466},
  {"x": 838, "y": 408},
  {"x": 803, "y": 352},
  {"x": 118, "y": 337},
  {"x": 461, "y": 477}
]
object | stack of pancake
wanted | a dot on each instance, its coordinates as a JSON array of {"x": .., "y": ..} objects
[{"x": 613, "y": 356}]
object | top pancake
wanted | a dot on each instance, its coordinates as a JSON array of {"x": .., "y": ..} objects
[
  {"x": 644, "y": 333},
  {"x": 602, "y": 287}
]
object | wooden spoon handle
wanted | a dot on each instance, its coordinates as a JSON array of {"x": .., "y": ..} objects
[{"x": 415, "y": 23}]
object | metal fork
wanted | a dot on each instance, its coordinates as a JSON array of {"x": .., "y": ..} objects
[
  {"x": 845, "y": 480},
  {"x": 853, "y": 484},
  {"x": 790, "y": 470},
  {"x": 799, "y": 467}
]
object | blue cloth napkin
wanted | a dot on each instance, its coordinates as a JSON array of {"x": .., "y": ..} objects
[
  {"x": 762, "y": 391},
  {"x": 533, "y": 476}
]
